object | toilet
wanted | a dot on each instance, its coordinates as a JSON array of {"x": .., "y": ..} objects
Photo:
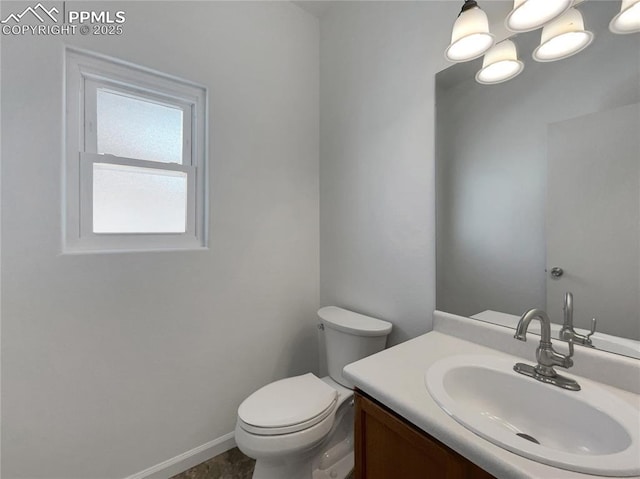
[{"x": 302, "y": 427}]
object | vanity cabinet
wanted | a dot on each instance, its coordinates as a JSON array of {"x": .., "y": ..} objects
[{"x": 389, "y": 447}]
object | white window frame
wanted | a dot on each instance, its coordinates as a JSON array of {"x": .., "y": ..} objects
[{"x": 85, "y": 74}]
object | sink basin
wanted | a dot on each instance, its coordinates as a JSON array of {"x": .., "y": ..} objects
[{"x": 590, "y": 431}]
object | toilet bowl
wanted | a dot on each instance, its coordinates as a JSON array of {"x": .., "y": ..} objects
[{"x": 302, "y": 427}]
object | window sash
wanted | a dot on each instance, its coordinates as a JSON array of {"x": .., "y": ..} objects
[
  {"x": 86, "y": 162},
  {"x": 91, "y": 87}
]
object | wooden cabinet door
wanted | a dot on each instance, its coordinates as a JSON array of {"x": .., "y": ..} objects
[{"x": 388, "y": 447}]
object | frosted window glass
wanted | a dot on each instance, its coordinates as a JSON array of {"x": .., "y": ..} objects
[
  {"x": 129, "y": 199},
  {"x": 134, "y": 128}
]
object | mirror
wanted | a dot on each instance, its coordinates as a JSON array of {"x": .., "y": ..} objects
[{"x": 539, "y": 172}]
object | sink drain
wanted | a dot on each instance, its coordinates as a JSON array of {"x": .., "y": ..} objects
[{"x": 528, "y": 438}]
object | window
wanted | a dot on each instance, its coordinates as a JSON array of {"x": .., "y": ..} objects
[{"x": 135, "y": 172}]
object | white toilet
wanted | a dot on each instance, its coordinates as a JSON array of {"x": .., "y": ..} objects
[{"x": 302, "y": 427}]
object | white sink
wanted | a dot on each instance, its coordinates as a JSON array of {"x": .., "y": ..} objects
[{"x": 590, "y": 431}]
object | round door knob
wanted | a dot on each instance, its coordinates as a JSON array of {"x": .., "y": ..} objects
[{"x": 556, "y": 272}]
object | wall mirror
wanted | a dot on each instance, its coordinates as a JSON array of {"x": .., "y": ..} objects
[{"x": 543, "y": 171}]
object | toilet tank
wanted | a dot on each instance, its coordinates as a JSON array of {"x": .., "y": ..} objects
[{"x": 349, "y": 337}]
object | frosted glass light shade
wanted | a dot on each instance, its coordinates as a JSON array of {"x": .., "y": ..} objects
[
  {"x": 563, "y": 37},
  {"x": 628, "y": 20},
  {"x": 529, "y": 15},
  {"x": 500, "y": 64},
  {"x": 470, "y": 37}
]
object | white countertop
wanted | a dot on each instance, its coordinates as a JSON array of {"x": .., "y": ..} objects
[{"x": 395, "y": 377}]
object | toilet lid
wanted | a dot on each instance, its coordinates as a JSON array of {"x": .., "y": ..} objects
[
  {"x": 353, "y": 323},
  {"x": 288, "y": 402}
]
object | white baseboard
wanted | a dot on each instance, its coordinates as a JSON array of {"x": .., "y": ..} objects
[{"x": 186, "y": 460}]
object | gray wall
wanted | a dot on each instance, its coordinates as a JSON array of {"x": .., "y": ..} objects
[
  {"x": 112, "y": 363},
  {"x": 593, "y": 219},
  {"x": 377, "y": 64},
  {"x": 492, "y": 168}
]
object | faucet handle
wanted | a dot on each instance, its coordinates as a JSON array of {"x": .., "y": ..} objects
[
  {"x": 570, "y": 341},
  {"x": 550, "y": 357},
  {"x": 593, "y": 328}
]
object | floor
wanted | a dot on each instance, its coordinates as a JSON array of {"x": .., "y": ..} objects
[{"x": 229, "y": 465}]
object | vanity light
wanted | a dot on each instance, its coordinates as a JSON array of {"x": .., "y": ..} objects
[
  {"x": 470, "y": 37},
  {"x": 500, "y": 64},
  {"x": 528, "y": 15},
  {"x": 628, "y": 20},
  {"x": 563, "y": 37}
]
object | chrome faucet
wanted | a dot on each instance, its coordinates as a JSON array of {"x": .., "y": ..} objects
[
  {"x": 567, "y": 332},
  {"x": 545, "y": 354}
]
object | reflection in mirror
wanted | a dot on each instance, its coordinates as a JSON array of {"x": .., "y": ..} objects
[{"x": 541, "y": 172}]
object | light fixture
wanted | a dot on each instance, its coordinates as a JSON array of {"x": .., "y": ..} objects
[
  {"x": 563, "y": 37},
  {"x": 470, "y": 37},
  {"x": 628, "y": 20},
  {"x": 528, "y": 15},
  {"x": 500, "y": 64}
]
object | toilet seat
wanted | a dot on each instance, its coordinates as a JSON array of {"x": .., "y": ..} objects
[
  {"x": 287, "y": 406},
  {"x": 276, "y": 431}
]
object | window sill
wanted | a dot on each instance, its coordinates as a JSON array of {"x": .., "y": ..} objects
[{"x": 86, "y": 251}]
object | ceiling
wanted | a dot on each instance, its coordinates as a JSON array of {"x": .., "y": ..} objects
[{"x": 317, "y": 8}]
